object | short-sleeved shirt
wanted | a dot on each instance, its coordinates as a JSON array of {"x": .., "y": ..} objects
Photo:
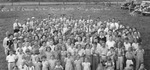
[
  {"x": 110, "y": 44},
  {"x": 11, "y": 58},
  {"x": 86, "y": 65},
  {"x": 135, "y": 45},
  {"x": 127, "y": 45},
  {"x": 81, "y": 52}
]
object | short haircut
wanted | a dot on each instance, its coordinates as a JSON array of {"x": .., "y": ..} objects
[
  {"x": 10, "y": 35},
  {"x": 43, "y": 57},
  {"x": 48, "y": 48}
]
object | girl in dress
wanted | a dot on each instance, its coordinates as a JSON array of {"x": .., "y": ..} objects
[
  {"x": 42, "y": 48},
  {"x": 34, "y": 56},
  {"x": 63, "y": 55},
  {"x": 37, "y": 64},
  {"x": 95, "y": 57},
  {"x": 77, "y": 63},
  {"x": 88, "y": 52},
  {"x": 45, "y": 64},
  {"x": 56, "y": 53},
  {"x": 20, "y": 59},
  {"x": 86, "y": 64},
  {"x": 69, "y": 62},
  {"x": 48, "y": 53},
  {"x": 71, "y": 49},
  {"x": 52, "y": 62},
  {"x": 68, "y": 43},
  {"x": 58, "y": 66},
  {"x": 27, "y": 65},
  {"x": 81, "y": 50}
]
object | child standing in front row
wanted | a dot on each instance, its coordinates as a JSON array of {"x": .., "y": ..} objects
[
  {"x": 45, "y": 63},
  {"x": 58, "y": 66},
  {"x": 86, "y": 64},
  {"x": 19, "y": 59},
  {"x": 69, "y": 61},
  {"x": 27, "y": 61},
  {"x": 77, "y": 63},
  {"x": 37, "y": 64},
  {"x": 52, "y": 62}
]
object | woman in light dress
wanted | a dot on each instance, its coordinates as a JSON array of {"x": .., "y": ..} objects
[
  {"x": 45, "y": 64},
  {"x": 38, "y": 64},
  {"x": 48, "y": 53},
  {"x": 52, "y": 62},
  {"x": 86, "y": 64},
  {"x": 63, "y": 56},
  {"x": 77, "y": 63},
  {"x": 20, "y": 60},
  {"x": 69, "y": 62}
]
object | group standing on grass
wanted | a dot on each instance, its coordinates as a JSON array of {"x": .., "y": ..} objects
[{"x": 66, "y": 43}]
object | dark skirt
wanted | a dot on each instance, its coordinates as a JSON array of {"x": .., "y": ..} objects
[{"x": 95, "y": 62}]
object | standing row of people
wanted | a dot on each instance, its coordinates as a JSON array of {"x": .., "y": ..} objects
[{"x": 66, "y": 43}]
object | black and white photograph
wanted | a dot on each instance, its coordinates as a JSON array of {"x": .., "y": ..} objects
[{"x": 74, "y": 34}]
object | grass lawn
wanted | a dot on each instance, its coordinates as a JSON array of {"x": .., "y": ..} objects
[{"x": 142, "y": 23}]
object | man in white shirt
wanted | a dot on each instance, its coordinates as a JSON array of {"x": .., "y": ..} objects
[
  {"x": 32, "y": 22},
  {"x": 110, "y": 43},
  {"x": 127, "y": 44},
  {"x": 11, "y": 59},
  {"x": 16, "y": 26}
]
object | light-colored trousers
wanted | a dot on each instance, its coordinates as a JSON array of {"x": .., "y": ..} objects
[
  {"x": 11, "y": 66},
  {"x": 120, "y": 63}
]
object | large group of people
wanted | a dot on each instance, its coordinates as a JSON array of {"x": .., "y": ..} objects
[{"x": 68, "y": 43}]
